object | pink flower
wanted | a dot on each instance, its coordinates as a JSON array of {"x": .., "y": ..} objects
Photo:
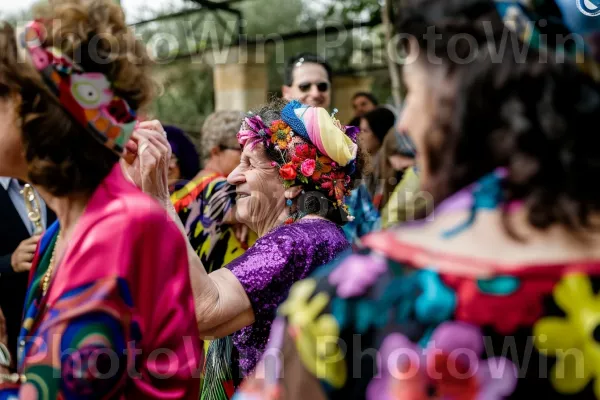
[
  {"x": 450, "y": 366},
  {"x": 40, "y": 58},
  {"x": 353, "y": 279},
  {"x": 308, "y": 167}
]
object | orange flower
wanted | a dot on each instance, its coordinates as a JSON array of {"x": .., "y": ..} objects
[
  {"x": 280, "y": 134},
  {"x": 279, "y": 125},
  {"x": 323, "y": 166}
]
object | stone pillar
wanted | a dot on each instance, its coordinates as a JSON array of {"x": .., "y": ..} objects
[
  {"x": 344, "y": 87},
  {"x": 240, "y": 81}
]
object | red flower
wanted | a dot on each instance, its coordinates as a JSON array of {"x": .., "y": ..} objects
[
  {"x": 482, "y": 309},
  {"x": 335, "y": 182},
  {"x": 304, "y": 152},
  {"x": 288, "y": 172},
  {"x": 119, "y": 111},
  {"x": 452, "y": 377}
]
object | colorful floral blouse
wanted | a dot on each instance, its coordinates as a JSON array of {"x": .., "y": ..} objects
[
  {"x": 118, "y": 319},
  {"x": 421, "y": 316}
]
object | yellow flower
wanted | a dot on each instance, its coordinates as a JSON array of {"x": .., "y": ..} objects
[
  {"x": 280, "y": 134},
  {"x": 575, "y": 339},
  {"x": 316, "y": 335}
]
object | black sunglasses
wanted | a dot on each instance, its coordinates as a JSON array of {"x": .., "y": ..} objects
[{"x": 321, "y": 86}]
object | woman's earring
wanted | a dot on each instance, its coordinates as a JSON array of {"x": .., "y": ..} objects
[{"x": 291, "y": 218}]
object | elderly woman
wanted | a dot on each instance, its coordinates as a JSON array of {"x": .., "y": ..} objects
[
  {"x": 108, "y": 297},
  {"x": 497, "y": 296},
  {"x": 206, "y": 204},
  {"x": 298, "y": 165}
]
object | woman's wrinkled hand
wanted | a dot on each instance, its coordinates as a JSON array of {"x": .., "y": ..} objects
[{"x": 147, "y": 158}]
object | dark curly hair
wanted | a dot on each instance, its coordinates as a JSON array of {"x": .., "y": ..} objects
[
  {"x": 61, "y": 155},
  {"x": 535, "y": 119},
  {"x": 313, "y": 200}
]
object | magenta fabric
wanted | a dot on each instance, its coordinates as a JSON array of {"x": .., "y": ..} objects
[{"x": 124, "y": 236}]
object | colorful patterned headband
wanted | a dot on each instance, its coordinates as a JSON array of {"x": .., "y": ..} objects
[
  {"x": 88, "y": 97},
  {"x": 531, "y": 19},
  {"x": 308, "y": 146}
]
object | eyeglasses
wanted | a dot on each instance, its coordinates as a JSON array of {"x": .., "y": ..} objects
[{"x": 321, "y": 86}]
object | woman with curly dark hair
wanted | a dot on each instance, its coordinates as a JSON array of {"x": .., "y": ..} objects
[
  {"x": 109, "y": 311},
  {"x": 495, "y": 295}
]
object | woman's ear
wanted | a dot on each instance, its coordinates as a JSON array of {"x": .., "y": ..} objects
[
  {"x": 215, "y": 151},
  {"x": 293, "y": 192}
]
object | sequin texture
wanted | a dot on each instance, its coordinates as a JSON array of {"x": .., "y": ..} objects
[{"x": 268, "y": 269}]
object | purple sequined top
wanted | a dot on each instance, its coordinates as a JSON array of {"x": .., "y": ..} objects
[{"x": 268, "y": 270}]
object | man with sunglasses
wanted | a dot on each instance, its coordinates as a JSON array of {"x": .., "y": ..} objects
[{"x": 308, "y": 80}]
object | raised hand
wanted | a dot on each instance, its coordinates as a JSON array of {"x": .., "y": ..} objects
[{"x": 147, "y": 160}]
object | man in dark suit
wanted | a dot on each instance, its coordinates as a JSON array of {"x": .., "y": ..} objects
[{"x": 17, "y": 246}]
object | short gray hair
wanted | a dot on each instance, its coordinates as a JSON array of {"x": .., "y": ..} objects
[{"x": 220, "y": 129}]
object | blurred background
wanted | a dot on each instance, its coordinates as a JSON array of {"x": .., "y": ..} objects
[{"x": 231, "y": 54}]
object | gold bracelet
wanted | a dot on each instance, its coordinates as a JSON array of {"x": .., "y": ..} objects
[{"x": 12, "y": 378}]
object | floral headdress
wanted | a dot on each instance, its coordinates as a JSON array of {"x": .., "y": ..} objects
[{"x": 308, "y": 146}]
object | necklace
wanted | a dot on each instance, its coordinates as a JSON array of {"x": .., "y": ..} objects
[{"x": 48, "y": 274}]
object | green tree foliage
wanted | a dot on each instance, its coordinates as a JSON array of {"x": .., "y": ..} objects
[{"x": 187, "y": 93}]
